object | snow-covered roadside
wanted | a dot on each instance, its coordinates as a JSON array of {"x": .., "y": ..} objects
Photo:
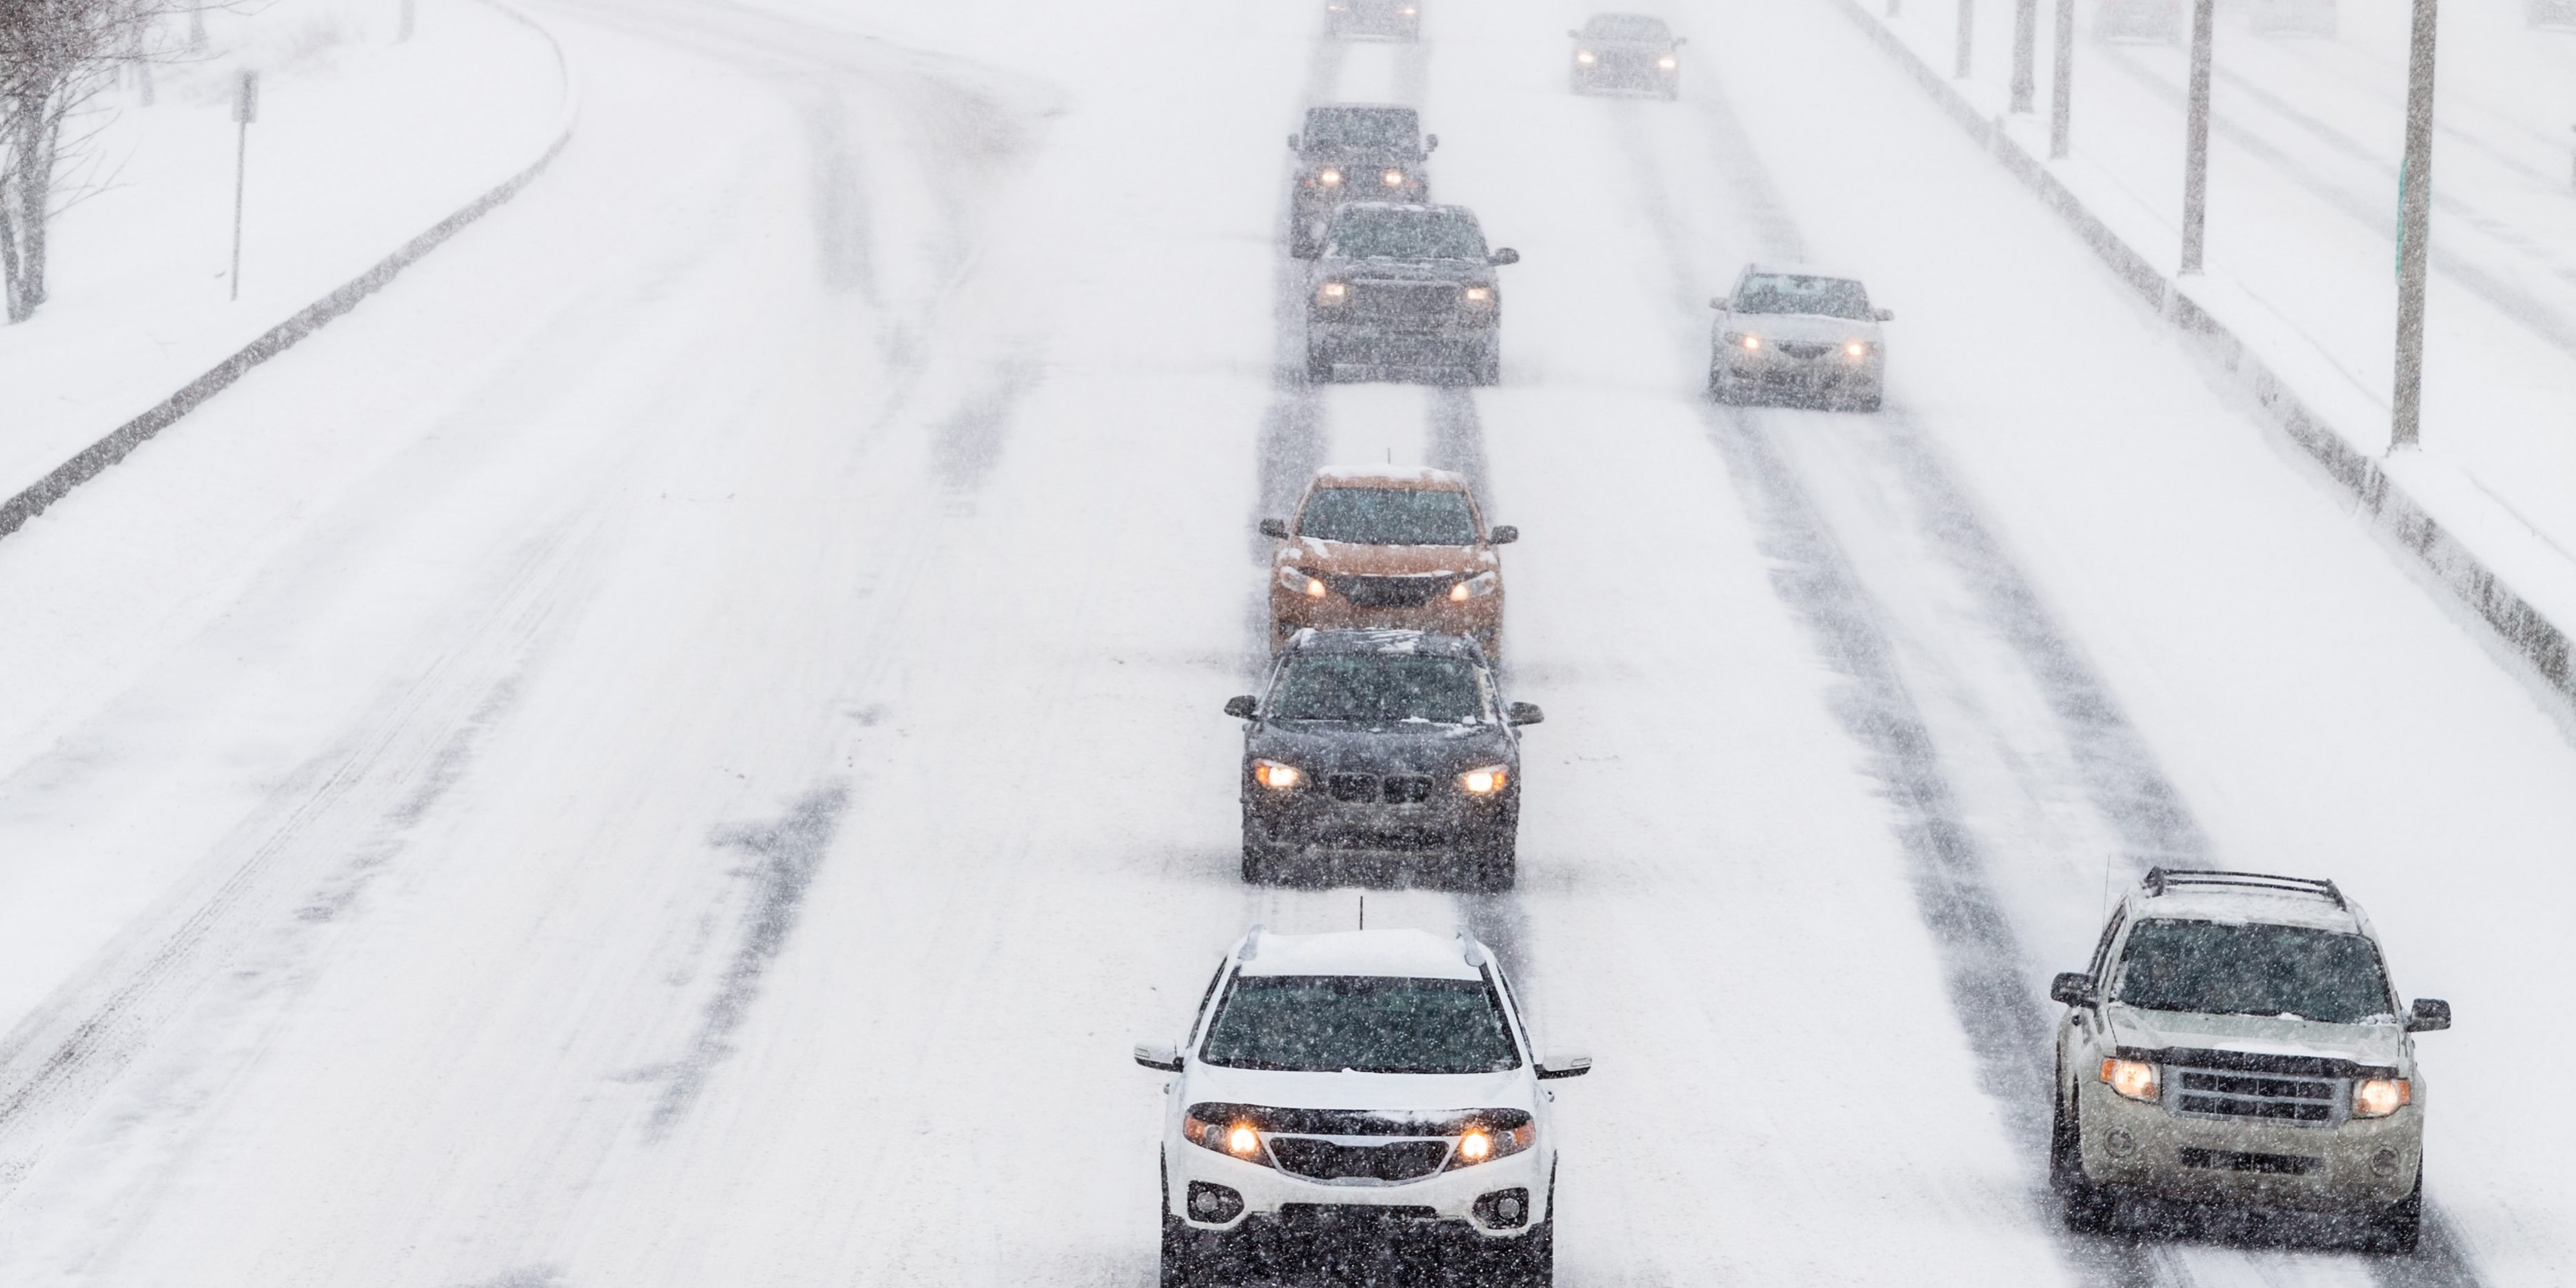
[
  {"x": 2470, "y": 537},
  {"x": 366, "y": 154}
]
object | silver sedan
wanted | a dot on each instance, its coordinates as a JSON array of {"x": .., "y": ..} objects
[{"x": 1798, "y": 335}]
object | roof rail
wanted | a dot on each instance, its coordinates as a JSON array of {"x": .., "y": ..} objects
[
  {"x": 1475, "y": 953},
  {"x": 1251, "y": 943},
  {"x": 2159, "y": 879}
]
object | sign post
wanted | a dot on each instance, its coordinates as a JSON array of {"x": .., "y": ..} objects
[
  {"x": 245, "y": 111},
  {"x": 2195, "y": 149},
  {"x": 2414, "y": 234}
]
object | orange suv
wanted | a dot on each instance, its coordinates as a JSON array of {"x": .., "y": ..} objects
[{"x": 1387, "y": 547}]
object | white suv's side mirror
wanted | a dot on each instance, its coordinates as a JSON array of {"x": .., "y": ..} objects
[
  {"x": 1159, "y": 1055},
  {"x": 1564, "y": 1063}
]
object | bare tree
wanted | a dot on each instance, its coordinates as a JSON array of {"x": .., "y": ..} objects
[{"x": 55, "y": 56}]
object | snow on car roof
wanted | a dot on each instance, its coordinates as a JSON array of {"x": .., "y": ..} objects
[
  {"x": 1409, "y": 954},
  {"x": 1381, "y": 640},
  {"x": 1803, "y": 270},
  {"x": 1390, "y": 476},
  {"x": 2255, "y": 907}
]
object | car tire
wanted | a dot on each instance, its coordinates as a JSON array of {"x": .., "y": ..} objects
[
  {"x": 1319, "y": 369},
  {"x": 1261, "y": 859},
  {"x": 1722, "y": 389},
  {"x": 2087, "y": 1207},
  {"x": 1488, "y": 369},
  {"x": 1529, "y": 1261},
  {"x": 2399, "y": 1227},
  {"x": 1493, "y": 862}
]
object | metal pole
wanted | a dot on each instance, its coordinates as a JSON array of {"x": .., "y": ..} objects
[
  {"x": 407, "y": 7},
  {"x": 2195, "y": 149},
  {"x": 241, "y": 174},
  {"x": 1967, "y": 33},
  {"x": 2062, "y": 92},
  {"x": 2415, "y": 234},
  {"x": 2025, "y": 78}
]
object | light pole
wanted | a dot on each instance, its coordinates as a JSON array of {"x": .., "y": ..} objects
[
  {"x": 1967, "y": 33},
  {"x": 2025, "y": 77},
  {"x": 2062, "y": 90},
  {"x": 245, "y": 111},
  {"x": 2195, "y": 147},
  {"x": 2414, "y": 235}
]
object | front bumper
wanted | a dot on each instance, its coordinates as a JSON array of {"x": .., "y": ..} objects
[
  {"x": 1626, "y": 73},
  {"x": 1480, "y": 618},
  {"x": 2358, "y": 1165},
  {"x": 1309, "y": 817},
  {"x": 1455, "y": 341},
  {"x": 1774, "y": 370},
  {"x": 1278, "y": 1205}
]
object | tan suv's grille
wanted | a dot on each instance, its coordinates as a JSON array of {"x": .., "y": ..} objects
[{"x": 2273, "y": 1099}]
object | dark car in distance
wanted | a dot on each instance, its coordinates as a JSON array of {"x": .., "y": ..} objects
[
  {"x": 1353, "y": 152},
  {"x": 1627, "y": 51},
  {"x": 1405, "y": 288},
  {"x": 1395, "y": 19},
  {"x": 1377, "y": 742}
]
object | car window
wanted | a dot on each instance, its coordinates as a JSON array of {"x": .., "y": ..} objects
[
  {"x": 1375, "y": 129},
  {"x": 1380, "y": 689},
  {"x": 1833, "y": 297},
  {"x": 2102, "y": 950},
  {"x": 1368, "y": 1023},
  {"x": 1396, "y": 232},
  {"x": 1627, "y": 26},
  {"x": 1388, "y": 516},
  {"x": 2218, "y": 968}
]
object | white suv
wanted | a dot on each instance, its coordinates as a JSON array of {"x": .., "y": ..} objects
[
  {"x": 1358, "y": 1099},
  {"x": 2237, "y": 1041}
]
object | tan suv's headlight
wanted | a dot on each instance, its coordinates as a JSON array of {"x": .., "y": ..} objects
[
  {"x": 2380, "y": 1097},
  {"x": 2135, "y": 1079},
  {"x": 1481, "y": 1144},
  {"x": 1476, "y": 587},
  {"x": 1302, "y": 582}
]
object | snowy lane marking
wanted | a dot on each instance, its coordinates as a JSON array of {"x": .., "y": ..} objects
[{"x": 784, "y": 856}]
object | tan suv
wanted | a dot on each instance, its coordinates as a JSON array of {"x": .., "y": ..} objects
[{"x": 1374, "y": 546}]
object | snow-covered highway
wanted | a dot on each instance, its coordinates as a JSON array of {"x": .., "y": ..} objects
[{"x": 680, "y": 744}]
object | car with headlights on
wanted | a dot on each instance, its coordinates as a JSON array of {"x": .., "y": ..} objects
[
  {"x": 1626, "y": 51},
  {"x": 1374, "y": 743},
  {"x": 1394, "y": 19},
  {"x": 1388, "y": 546},
  {"x": 1798, "y": 335},
  {"x": 1353, "y": 152},
  {"x": 2236, "y": 1041},
  {"x": 1366, "y": 1103},
  {"x": 1405, "y": 289}
]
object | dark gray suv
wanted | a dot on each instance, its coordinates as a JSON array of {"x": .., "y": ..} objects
[
  {"x": 1405, "y": 289},
  {"x": 1353, "y": 152},
  {"x": 1383, "y": 742}
]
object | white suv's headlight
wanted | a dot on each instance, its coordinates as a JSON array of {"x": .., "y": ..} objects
[
  {"x": 2380, "y": 1097},
  {"x": 1233, "y": 1139},
  {"x": 1476, "y": 587},
  {"x": 1482, "y": 1144}
]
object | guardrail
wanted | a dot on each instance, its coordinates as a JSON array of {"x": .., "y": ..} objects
[
  {"x": 2526, "y": 631},
  {"x": 90, "y": 461}
]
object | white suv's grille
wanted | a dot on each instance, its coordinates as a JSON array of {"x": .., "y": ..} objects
[{"x": 2270, "y": 1097}]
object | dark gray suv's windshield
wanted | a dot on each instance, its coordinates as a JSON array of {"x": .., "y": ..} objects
[
  {"x": 1388, "y": 516},
  {"x": 1369, "y": 1023},
  {"x": 1399, "y": 233},
  {"x": 1379, "y": 688},
  {"x": 1832, "y": 297},
  {"x": 2219, "y": 969},
  {"x": 1361, "y": 129}
]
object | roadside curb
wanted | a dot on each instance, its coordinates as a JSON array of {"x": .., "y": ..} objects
[
  {"x": 2521, "y": 626},
  {"x": 92, "y": 460}
]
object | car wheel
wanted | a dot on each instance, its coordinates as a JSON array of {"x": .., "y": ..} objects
[
  {"x": 1261, "y": 859},
  {"x": 1489, "y": 369},
  {"x": 1721, "y": 388},
  {"x": 1530, "y": 1261},
  {"x": 2087, "y": 1207},
  {"x": 1319, "y": 369},
  {"x": 1493, "y": 862},
  {"x": 2400, "y": 1226}
]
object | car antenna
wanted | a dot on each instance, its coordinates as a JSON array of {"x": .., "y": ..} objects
[{"x": 1363, "y": 912}]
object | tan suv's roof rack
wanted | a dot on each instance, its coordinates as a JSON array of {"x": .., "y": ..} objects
[{"x": 2159, "y": 879}]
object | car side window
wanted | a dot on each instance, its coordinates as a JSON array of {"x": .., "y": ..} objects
[
  {"x": 1198, "y": 1019},
  {"x": 2102, "y": 951}
]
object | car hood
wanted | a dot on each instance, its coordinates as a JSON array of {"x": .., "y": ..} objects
[
  {"x": 1322, "y": 747},
  {"x": 1805, "y": 327},
  {"x": 2382, "y": 1044},
  {"x": 1353, "y": 558},
  {"x": 1395, "y": 1094},
  {"x": 1462, "y": 272},
  {"x": 1625, "y": 46},
  {"x": 1349, "y": 157}
]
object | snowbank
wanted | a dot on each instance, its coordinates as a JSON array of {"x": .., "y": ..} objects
[
  {"x": 366, "y": 143},
  {"x": 2471, "y": 540}
]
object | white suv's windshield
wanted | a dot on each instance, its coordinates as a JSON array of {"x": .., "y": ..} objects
[
  {"x": 1379, "y": 688},
  {"x": 1368, "y": 1023},
  {"x": 2215, "y": 968}
]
